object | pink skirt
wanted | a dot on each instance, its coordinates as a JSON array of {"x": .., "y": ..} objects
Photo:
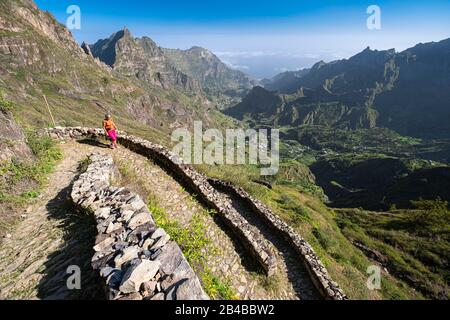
[{"x": 112, "y": 134}]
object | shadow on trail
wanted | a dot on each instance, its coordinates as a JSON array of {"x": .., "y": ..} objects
[
  {"x": 295, "y": 269},
  {"x": 247, "y": 261},
  {"x": 79, "y": 230},
  {"x": 94, "y": 142}
]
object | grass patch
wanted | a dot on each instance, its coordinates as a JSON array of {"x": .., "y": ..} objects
[
  {"x": 195, "y": 244},
  {"x": 47, "y": 154},
  {"x": 5, "y": 104},
  {"x": 415, "y": 243},
  {"x": 22, "y": 182}
]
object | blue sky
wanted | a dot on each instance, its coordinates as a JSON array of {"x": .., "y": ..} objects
[{"x": 264, "y": 37}]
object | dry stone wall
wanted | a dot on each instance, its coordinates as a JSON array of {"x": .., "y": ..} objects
[
  {"x": 193, "y": 180},
  {"x": 199, "y": 183},
  {"x": 136, "y": 259},
  {"x": 316, "y": 269}
]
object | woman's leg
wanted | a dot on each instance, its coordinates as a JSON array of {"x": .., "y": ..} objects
[{"x": 112, "y": 135}]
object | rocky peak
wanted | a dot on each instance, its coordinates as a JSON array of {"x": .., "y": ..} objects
[
  {"x": 202, "y": 52},
  {"x": 319, "y": 65},
  {"x": 368, "y": 56},
  {"x": 126, "y": 32},
  {"x": 26, "y": 15},
  {"x": 142, "y": 58},
  {"x": 214, "y": 76},
  {"x": 86, "y": 49},
  {"x": 32, "y": 36},
  {"x": 105, "y": 49}
]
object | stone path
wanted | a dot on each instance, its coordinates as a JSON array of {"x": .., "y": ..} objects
[
  {"x": 233, "y": 263},
  {"x": 34, "y": 261},
  {"x": 291, "y": 275},
  {"x": 52, "y": 236}
]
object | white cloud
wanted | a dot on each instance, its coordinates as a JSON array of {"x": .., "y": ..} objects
[
  {"x": 235, "y": 66},
  {"x": 303, "y": 55},
  {"x": 281, "y": 69},
  {"x": 254, "y": 54},
  {"x": 243, "y": 54}
]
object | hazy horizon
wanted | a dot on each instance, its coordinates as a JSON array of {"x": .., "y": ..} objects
[{"x": 260, "y": 38}]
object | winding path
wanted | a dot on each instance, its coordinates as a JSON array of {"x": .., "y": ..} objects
[
  {"x": 51, "y": 237},
  {"x": 33, "y": 262}
]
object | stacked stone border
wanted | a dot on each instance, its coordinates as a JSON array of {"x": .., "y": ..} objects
[
  {"x": 194, "y": 181},
  {"x": 136, "y": 259},
  {"x": 199, "y": 184},
  {"x": 314, "y": 266}
]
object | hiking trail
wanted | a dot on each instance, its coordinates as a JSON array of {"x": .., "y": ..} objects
[{"x": 53, "y": 235}]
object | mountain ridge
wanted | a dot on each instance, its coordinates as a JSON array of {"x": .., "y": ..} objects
[
  {"x": 39, "y": 56},
  {"x": 213, "y": 74},
  {"x": 142, "y": 58},
  {"x": 196, "y": 70},
  {"x": 390, "y": 89}
]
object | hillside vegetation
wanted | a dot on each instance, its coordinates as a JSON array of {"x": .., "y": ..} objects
[
  {"x": 24, "y": 174},
  {"x": 414, "y": 245},
  {"x": 334, "y": 153},
  {"x": 38, "y": 57},
  {"x": 317, "y": 223}
]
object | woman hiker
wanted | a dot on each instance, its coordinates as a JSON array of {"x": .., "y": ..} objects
[{"x": 110, "y": 129}]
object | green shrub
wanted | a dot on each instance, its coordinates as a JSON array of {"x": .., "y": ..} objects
[
  {"x": 431, "y": 213},
  {"x": 324, "y": 238},
  {"x": 47, "y": 154},
  {"x": 5, "y": 104}
]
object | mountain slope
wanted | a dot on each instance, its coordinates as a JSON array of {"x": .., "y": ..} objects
[
  {"x": 286, "y": 81},
  {"x": 214, "y": 75},
  {"x": 38, "y": 56},
  {"x": 270, "y": 108},
  {"x": 373, "y": 88},
  {"x": 141, "y": 58}
]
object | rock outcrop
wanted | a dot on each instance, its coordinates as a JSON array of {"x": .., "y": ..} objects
[
  {"x": 135, "y": 258},
  {"x": 87, "y": 49},
  {"x": 13, "y": 143}
]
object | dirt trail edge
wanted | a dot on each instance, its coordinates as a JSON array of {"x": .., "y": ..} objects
[{"x": 51, "y": 237}]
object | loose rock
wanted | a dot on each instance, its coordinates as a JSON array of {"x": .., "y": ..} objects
[{"x": 138, "y": 274}]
